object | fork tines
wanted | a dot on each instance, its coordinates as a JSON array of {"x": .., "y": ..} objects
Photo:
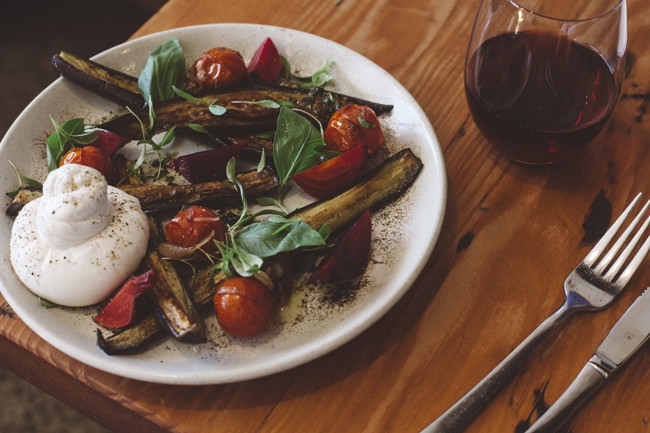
[{"x": 604, "y": 266}]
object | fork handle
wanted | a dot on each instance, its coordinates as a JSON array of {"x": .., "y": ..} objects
[
  {"x": 462, "y": 413},
  {"x": 588, "y": 380}
]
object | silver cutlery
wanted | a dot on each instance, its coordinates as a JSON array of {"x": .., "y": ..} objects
[
  {"x": 625, "y": 338},
  {"x": 592, "y": 285}
]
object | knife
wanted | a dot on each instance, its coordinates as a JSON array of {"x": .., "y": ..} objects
[{"x": 625, "y": 338}]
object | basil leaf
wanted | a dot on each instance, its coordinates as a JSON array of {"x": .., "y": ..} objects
[
  {"x": 266, "y": 103},
  {"x": 164, "y": 69},
  {"x": 199, "y": 128},
  {"x": 317, "y": 79},
  {"x": 262, "y": 163},
  {"x": 22, "y": 180},
  {"x": 183, "y": 94},
  {"x": 65, "y": 137},
  {"x": 215, "y": 109},
  {"x": 278, "y": 234},
  {"x": 246, "y": 264},
  {"x": 295, "y": 145}
]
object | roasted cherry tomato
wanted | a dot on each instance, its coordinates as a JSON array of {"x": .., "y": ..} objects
[
  {"x": 332, "y": 176},
  {"x": 194, "y": 225},
  {"x": 219, "y": 67},
  {"x": 351, "y": 126},
  {"x": 243, "y": 306},
  {"x": 89, "y": 156}
]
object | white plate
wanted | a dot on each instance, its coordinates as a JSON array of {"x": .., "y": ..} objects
[{"x": 404, "y": 233}]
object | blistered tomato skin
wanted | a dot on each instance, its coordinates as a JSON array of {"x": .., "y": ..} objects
[
  {"x": 333, "y": 176},
  {"x": 351, "y": 126},
  {"x": 219, "y": 67},
  {"x": 243, "y": 306},
  {"x": 193, "y": 225},
  {"x": 90, "y": 156}
]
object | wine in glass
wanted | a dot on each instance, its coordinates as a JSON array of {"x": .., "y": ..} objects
[{"x": 543, "y": 76}]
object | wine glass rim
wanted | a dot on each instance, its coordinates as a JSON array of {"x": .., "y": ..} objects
[{"x": 617, "y": 5}]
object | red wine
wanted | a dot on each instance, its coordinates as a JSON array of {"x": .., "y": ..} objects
[{"x": 539, "y": 97}]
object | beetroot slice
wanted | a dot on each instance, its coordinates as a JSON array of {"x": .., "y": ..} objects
[
  {"x": 118, "y": 312},
  {"x": 266, "y": 63},
  {"x": 350, "y": 255},
  {"x": 108, "y": 142},
  {"x": 207, "y": 165}
]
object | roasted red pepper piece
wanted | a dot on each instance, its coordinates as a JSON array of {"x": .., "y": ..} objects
[
  {"x": 119, "y": 311},
  {"x": 207, "y": 165},
  {"x": 334, "y": 175},
  {"x": 350, "y": 255},
  {"x": 266, "y": 63}
]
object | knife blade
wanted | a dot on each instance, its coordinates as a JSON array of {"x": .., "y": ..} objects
[{"x": 626, "y": 337}]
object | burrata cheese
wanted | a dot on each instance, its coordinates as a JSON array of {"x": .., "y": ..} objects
[{"x": 79, "y": 241}]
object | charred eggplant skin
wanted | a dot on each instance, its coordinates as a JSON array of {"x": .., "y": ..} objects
[
  {"x": 379, "y": 186},
  {"x": 109, "y": 83},
  {"x": 133, "y": 339},
  {"x": 154, "y": 198},
  {"x": 240, "y": 114}
]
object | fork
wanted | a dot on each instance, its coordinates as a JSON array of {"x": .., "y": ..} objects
[{"x": 592, "y": 285}]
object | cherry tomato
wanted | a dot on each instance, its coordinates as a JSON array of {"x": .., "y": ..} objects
[
  {"x": 243, "y": 306},
  {"x": 351, "y": 126},
  {"x": 219, "y": 67},
  {"x": 193, "y": 225},
  {"x": 89, "y": 156},
  {"x": 332, "y": 176}
]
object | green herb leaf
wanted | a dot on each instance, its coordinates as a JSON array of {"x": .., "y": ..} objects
[
  {"x": 278, "y": 234},
  {"x": 262, "y": 164},
  {"x": 215, "y": 109},
  {"x": 317, "y": 79},
  {"x": 246, "y": 264},
  {"x": 199, "y": 128},
  {"x": 165, "y": 68},
  {"x": 169, "y": 136},
  {"x": 268, "y": 135},
  {"x": 365, "y": 124},
  {"x": 271, "y": 201},
  {"x": 295, "y": 145},
  {"x": 266, "y": 103},
  {"x": 183, "y": 94},
  {"x": 73, "y": 132},
  {"x": 22, "y": 180}
]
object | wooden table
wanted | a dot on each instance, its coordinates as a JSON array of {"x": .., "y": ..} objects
[{"x": 511, "y": 234}]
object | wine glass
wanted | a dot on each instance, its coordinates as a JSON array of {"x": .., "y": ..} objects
[{"x": 542, "y": 76}]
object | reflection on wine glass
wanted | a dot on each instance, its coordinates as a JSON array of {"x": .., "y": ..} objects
[{"x": 542, "y": 76}]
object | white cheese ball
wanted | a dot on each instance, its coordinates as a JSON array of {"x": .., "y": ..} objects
[{"x": 79, "y": 241}]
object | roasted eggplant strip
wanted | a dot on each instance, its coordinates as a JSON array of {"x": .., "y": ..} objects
[
  {"x": 155, "y": 198},
  {"x": 379, "y": 186},
  {"x": 109, "y": 83},
  {"x": 24, "y": 196},
  {"x": 240, "y": 114},
  {"x": 173, "y": 305},
  {"x": 171, "y": 300},
  {"x": 133, "y": 338}
]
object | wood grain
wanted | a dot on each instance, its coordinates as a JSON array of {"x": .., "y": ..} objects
[{"x": 511, "y": 235}]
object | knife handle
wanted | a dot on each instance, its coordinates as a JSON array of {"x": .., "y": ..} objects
[{"x": 587, "y": 381}]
